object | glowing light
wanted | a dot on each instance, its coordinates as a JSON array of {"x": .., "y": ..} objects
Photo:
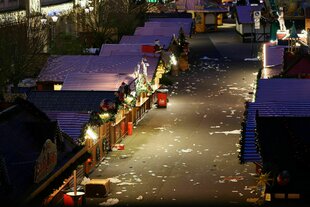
[
  {"x": 173, "y": 59},
  {"x": 57, "y": 87},
  {"x": 54, "y": 18},
  {"x": 129, "y": 99},
  {"x": 83, "y": 3},
  {"x": 104, "y": 116},
  {"x": 43, "y": 21},
  {"x": 90, "y": 133},
  {"x": 133, "y": 93},
  {"x": 264, "y": 55}
]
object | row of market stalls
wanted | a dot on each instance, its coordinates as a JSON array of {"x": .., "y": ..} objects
[
  {"x": 92, "y": 103},
  {"x": 275, "y": 132}
]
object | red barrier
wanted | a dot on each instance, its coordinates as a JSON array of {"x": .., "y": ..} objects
[{"x": 130, "y": 126}]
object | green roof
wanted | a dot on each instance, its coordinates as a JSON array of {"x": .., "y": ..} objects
[{"x": 293, "y": 32}]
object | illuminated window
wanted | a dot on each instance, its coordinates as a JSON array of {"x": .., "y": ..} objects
[{"x": 57, "y": 87}]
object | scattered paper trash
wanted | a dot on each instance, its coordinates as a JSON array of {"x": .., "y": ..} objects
[
  {"x": 109, "y": 202},
  {"x": 229, "y": 132},
  {"x": 114, "y": 180},
  {"x": 85, "y": 181},
  {"x": 186, "y": 150},
  {"x": 140, "y": 197},
  {"x": 251, "y": 59},
  {"x": 207, "y": 58}
]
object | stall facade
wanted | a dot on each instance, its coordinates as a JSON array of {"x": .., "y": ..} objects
[
  {"x": 245, "y": 24},
  {"x": 78, "y": 112},
  {"x": 207, "y": 14},
  {"x": 45, "y": 155}
]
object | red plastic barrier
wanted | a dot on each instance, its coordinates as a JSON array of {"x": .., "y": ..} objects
[{"x": 130, "y": 126}]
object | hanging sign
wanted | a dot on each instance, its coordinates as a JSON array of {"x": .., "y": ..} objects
[{"x": 256, "y": 17}]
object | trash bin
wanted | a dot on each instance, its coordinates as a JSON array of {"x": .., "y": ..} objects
[
  {"x": 162, "y": 95},
  {"x": 71, "y": 199}
]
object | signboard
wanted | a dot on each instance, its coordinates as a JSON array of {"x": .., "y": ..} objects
[
  {"x": 256, "y": 16},
  {"x": 46, "y": 161},
  {"x": 200, "y": 22}
]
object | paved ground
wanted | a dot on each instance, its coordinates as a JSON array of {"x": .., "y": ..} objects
[{"x": 187, "y": 154}]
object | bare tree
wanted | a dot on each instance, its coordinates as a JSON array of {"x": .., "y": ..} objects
[
  {"x": 21, "y": 45},
  {"x": 109, "y": 20}
]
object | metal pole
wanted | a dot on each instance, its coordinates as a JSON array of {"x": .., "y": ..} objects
[{"x": 74, "y": 182}]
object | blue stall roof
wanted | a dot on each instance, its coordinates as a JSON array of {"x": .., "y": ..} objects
[
  {"x": 283, "y": 90},
  {"x": 70, "y": 122},
  {"x": 74, "y": 101},
  {"x": 249, "y": 152}
]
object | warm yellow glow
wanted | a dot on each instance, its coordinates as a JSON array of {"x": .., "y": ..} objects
[
  {"x": 128, "y": 99},
  {"x": 173, "y": 59},
  {"x": 104, "y": 116},
  {"x": 91, "y": 134},
  {"x": 264, "y": 55},
  {"x": 57, "y": 87}
]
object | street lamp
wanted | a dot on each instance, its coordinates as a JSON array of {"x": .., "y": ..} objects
[
  {"x": 54, "y": 17},
  {"x": 51, "y": 24},
  {"x": 43, "y": 20}
]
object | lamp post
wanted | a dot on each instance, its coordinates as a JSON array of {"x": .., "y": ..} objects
[
  {"x": 54, "y": 20},
  {"x": 51, "y": 23}
]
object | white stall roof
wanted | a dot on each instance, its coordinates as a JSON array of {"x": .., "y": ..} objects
[
  {"x": 146, "y": 40},
  {"x": 122, "y": 49},
  {"x": 164, "y": 31},
  {"x": 58, "y": 67},
  {"x": 96, "y": 81},
  {"x": 183, "y": 20},
  {"x": 185, "y": 26}
]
